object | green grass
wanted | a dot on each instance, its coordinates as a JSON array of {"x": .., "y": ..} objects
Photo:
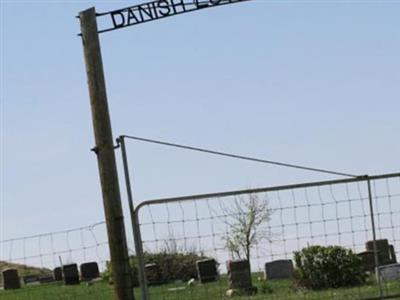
[{"x": 274, "y": 289}]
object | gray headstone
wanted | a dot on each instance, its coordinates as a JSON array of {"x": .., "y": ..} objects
[
  {"x": 71, "y": 274},
  {"x": 207, "y": 270},
  {"x": 239, "y": 275},
  {"x": 390, "y": 272},
  {"x": 279, "y": 269},
  {"x": 57, "y": 273},
  {"x": 11, "y": 279},
  {"x": 89, "y": 271}
]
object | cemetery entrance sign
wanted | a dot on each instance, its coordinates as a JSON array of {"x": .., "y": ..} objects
[{"x": 154, "y": 10}]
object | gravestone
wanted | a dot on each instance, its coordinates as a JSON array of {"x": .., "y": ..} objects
[
  {"x": 392, "y": 254},
  {"x": 57, "y": 273},
  {"x": 71, "y": 274},
  {"x": 89, "y": 271},
  {"x": 382, "y": 246},
  {"x": 153, "y": 274},
  {"x": 207, "y": 270},
  {"x": 11, "y": 279},
  {"x": 279, "y": 269},
  {"x": 367, "y": 260},
  {"x": 239, "y": 276},
  {"x": 29, "y": 279},
  {"x": 46, "y": 279},
  {"x": 390, "y": 272}
]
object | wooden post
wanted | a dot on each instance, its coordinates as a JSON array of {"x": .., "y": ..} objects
[{"x": 106, "y": 157}]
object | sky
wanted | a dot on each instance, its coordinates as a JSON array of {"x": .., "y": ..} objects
[{"x": 308, "y": 82}]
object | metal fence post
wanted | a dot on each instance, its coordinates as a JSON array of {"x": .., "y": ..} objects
[
  {"x": 135, "y": 224},
  {"x": 376, "y": 257},
  {"x": 140, "y": 257}
]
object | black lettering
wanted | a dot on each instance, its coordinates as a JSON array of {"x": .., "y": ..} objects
[
  {"x": 121, "y": 19},
  {"x": 175, "y": 5},
  {"x": 159, "y": 9},
  {"x": 147, "y": 11},
  {"x": 131, "y": 15},
  {"x": 153, "y": 6},
  {"x": 163, "y": 7},
  {"x": 199, "y": 4}
]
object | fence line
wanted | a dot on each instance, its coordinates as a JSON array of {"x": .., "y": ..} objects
[
  {"x": 79, "y": 245},
  {"x": 336, "y": 212}
]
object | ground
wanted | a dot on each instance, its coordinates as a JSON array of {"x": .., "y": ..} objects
[{"x": 274, "y": 289}]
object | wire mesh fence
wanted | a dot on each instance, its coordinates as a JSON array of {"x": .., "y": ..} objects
[
  {"x": 218, "y": 245},
  {"x": 39, "y": 260},
  {"x": 266, "y": 227},
  {"x": 45, "y": 250}
]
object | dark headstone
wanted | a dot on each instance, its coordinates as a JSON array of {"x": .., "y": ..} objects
[
  {"x": 382, "y": 246},
  {"x": 71, "y": 274},
  {"x": 279, "y": 269},
  {"x": 46, "y": 279},
  {"x": 153, "y": 274},
  {"x": 57, "y": 273},
  {"x": 239, "y": 276},
  {"x": 367, "y": 260},
  {"x": 89, "y": 271},
  {"x": 207, "y": 270},
  {"x": 11, "y": 279},
  {"x": 392, "y": 254},
  {"x": 30, "y": 279}
]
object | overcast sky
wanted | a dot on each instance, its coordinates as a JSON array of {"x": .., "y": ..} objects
[{"x": 308, "y": 82}]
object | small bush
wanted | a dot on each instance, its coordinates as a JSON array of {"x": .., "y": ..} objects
[
  {"x": 172, "y": 266},
  {"x": 328, "y": 267}
]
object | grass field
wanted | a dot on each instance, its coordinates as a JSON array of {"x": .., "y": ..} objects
[{"x": 274, "y": 289}]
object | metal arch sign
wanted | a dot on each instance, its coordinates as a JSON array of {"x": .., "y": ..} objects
[{"x": 154, "y": 10}]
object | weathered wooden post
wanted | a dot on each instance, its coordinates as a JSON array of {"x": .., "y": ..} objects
[{"x": 106, "y": 157}]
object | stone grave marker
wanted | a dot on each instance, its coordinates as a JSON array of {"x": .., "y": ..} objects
[
  {"x": 392, "y": 254},
  {"x": 11, "y": 279},
  {"x": 367, "y": 260},
  {"x": 279, "y": 269},
  {"x": 153, "y": 274},
  {"x": 89, "y": 271},
  {"x": 57, "y": 273},
  {"x": 239, "y": 276},
  {"x": 207, "y": 270},
  {"x": 382, "y": 246},
  {"x": 71, "y": 274},
  {"x": 390, "y": 272}
]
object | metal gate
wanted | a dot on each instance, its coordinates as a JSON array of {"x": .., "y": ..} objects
[{"x": 348, "y": 213}]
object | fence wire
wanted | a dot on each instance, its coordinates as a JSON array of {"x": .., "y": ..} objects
[
  {"x": 35, "y": 257},
  {"x": 324, "y": 213},
  {"x": 178, "y": 232}
]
